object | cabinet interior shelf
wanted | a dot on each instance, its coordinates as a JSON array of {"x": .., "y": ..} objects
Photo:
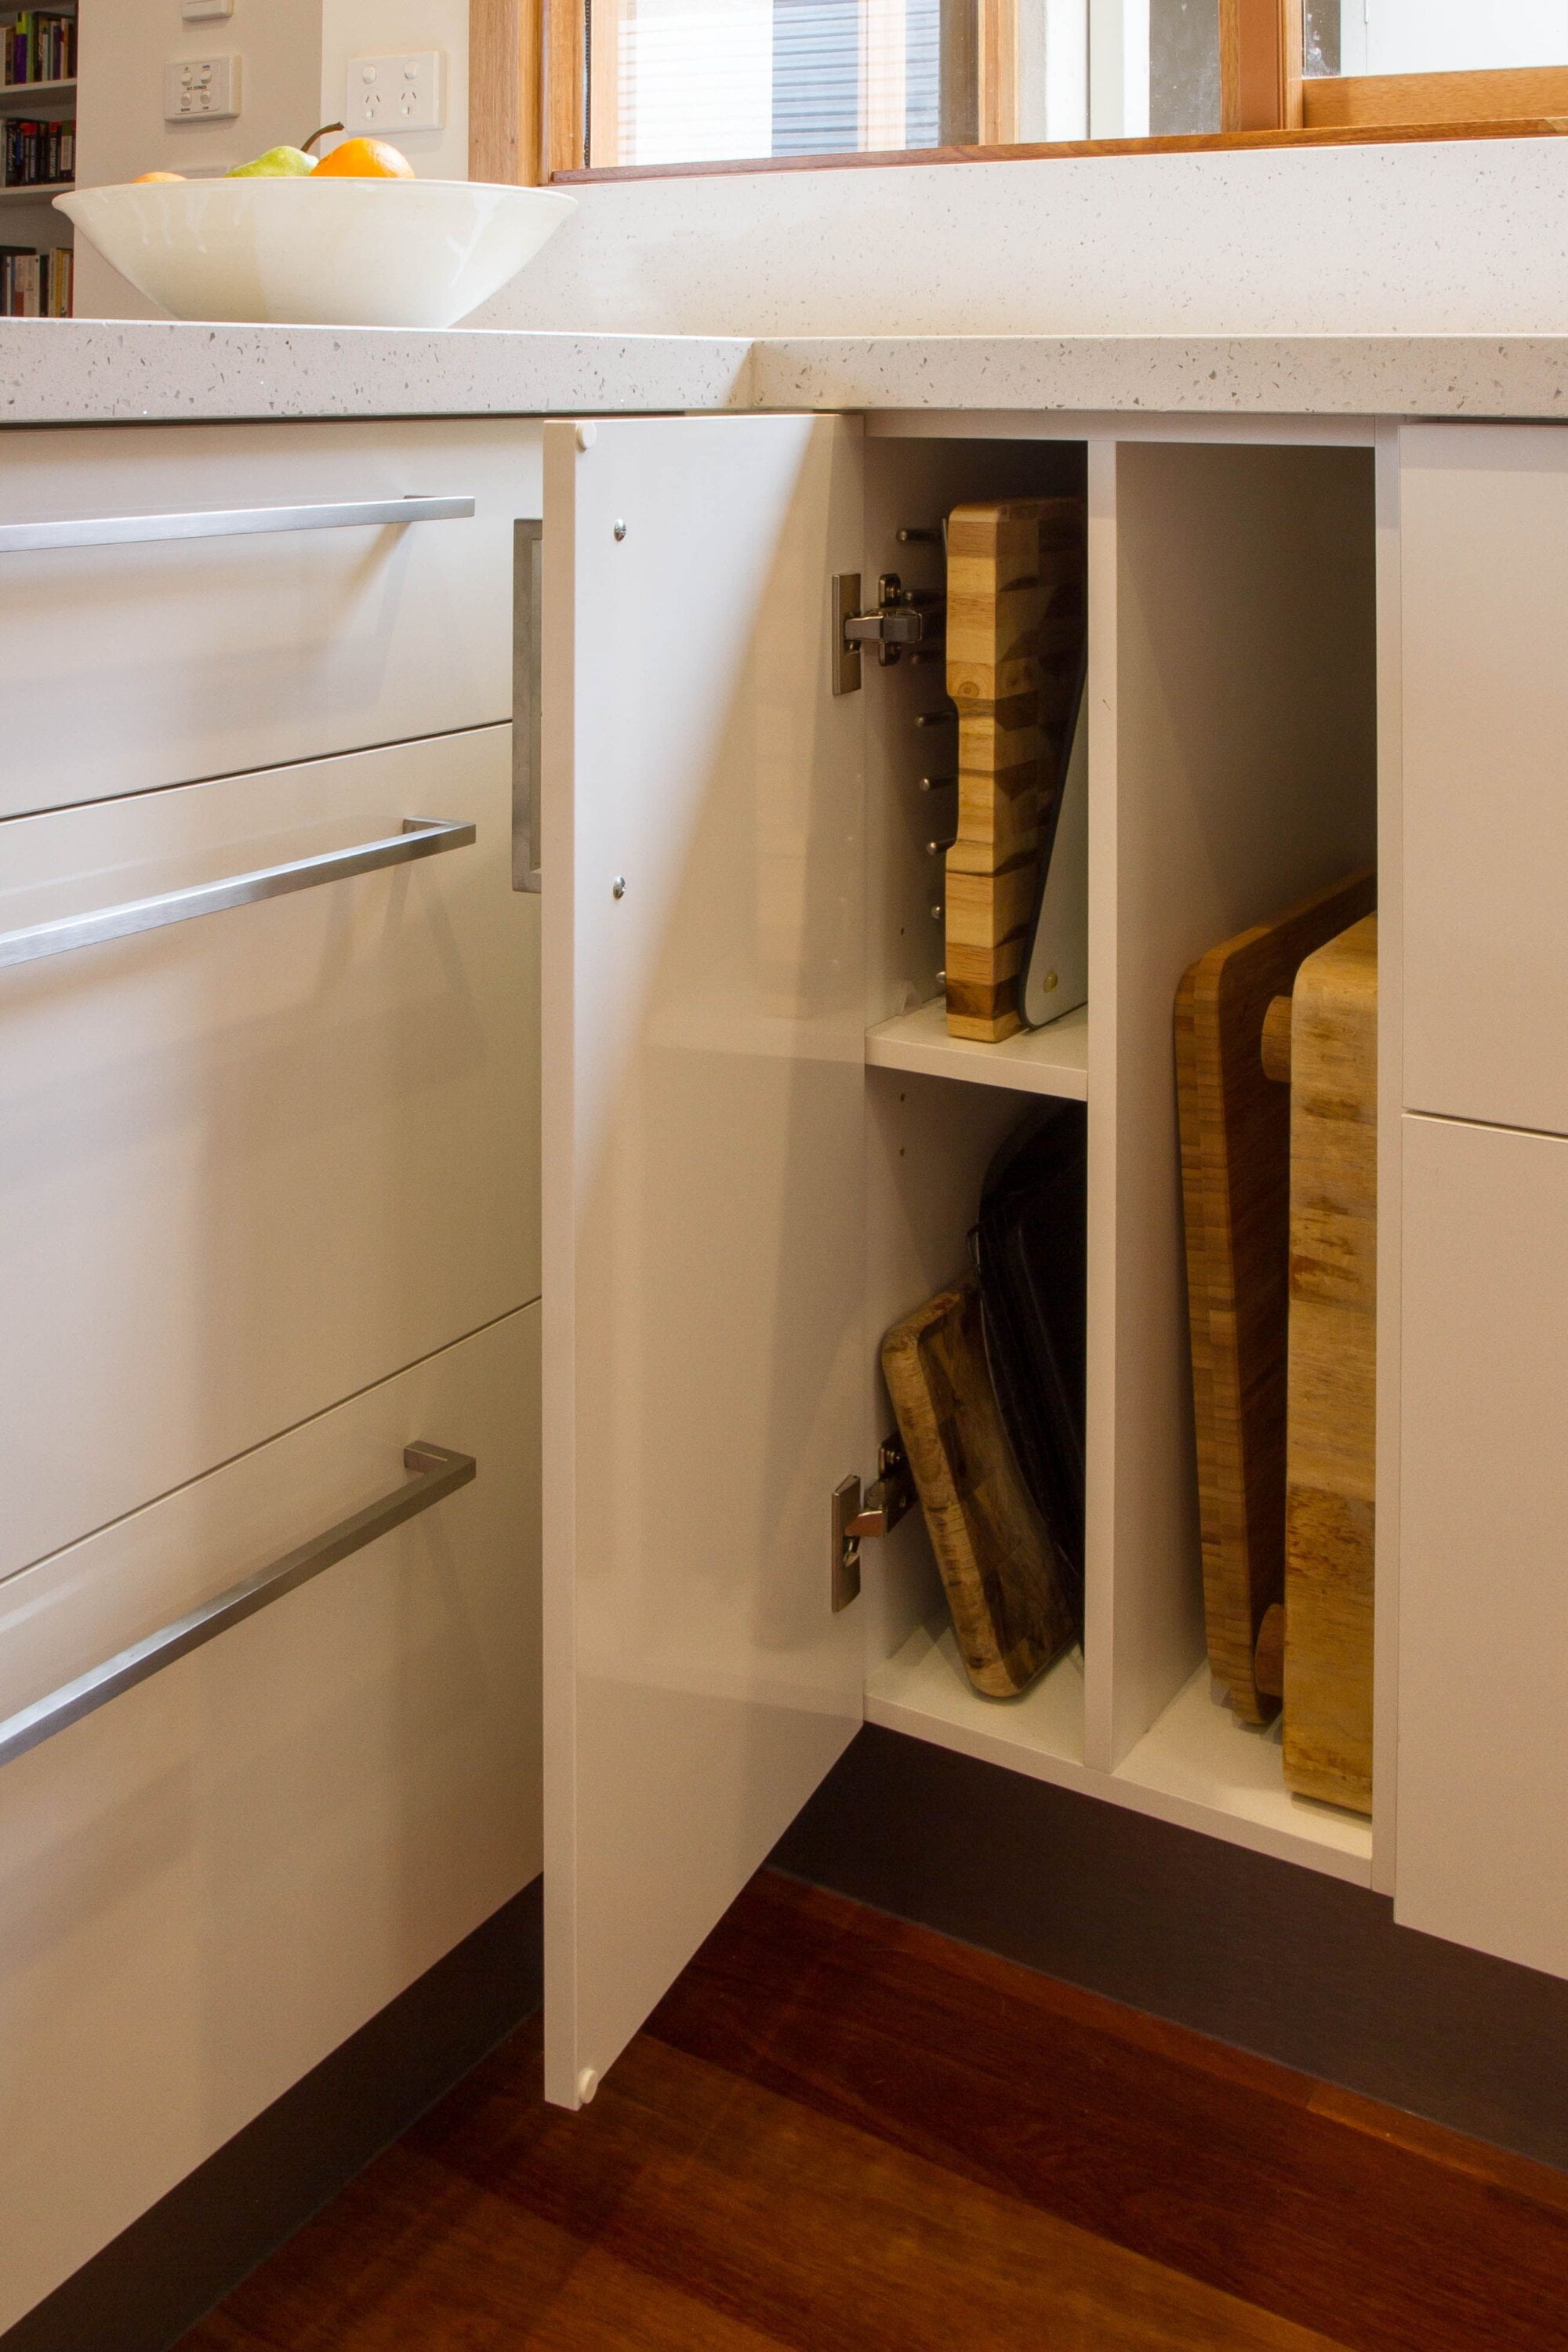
[
  {"x": 1196, "y": 1765},
  {"x": 1050, "y": 1061},
  {"x": 39, "y": 194}
]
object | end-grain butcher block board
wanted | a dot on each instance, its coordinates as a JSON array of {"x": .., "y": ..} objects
[
  {"x": 1011, "y": 1608},
  {"x": 1015, "y": 640},
  {"x": 1333, "y": 1352},
  {"x": 1235, "y": 1146}
]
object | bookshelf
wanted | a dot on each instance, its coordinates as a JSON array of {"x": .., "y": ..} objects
[{"x": 38, "y": 74}]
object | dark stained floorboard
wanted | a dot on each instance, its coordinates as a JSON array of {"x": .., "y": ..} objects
[{"x": 841, "y": 2134}]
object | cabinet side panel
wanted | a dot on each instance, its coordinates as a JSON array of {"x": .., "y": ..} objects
[{"x": 1390, "y": 1141}]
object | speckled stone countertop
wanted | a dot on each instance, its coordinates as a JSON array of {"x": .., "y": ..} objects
[
  {"x": 1361, "y": 376},
  {"x": 124, "y": 371},
  {"x": 86, "y": 371}
]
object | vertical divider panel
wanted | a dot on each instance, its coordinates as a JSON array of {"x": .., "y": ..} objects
[
  {"x": 1232, "y": 764},
  {"x": 1104, "y": 1127},
  {"x": 1390, "y": 1177}
]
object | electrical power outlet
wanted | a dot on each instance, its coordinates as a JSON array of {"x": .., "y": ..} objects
[
  {"x": 200, "y": 90},
  {"x": 401, "y": 92}
]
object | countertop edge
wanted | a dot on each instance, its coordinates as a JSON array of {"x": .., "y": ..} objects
[{"x": 103, "y": 371}]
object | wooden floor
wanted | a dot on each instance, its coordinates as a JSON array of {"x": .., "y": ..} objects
[{"x": 844, "y": 2134}]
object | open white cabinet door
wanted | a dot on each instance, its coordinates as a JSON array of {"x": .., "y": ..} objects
[{"x": 704, "y": 1010}]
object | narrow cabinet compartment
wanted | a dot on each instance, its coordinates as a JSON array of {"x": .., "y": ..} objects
[
  {"x": 222, "y": 1872},
  {"x": 251, "y": 1162},
  {"x": 1232, "y": 704},
  {"x": 187, "y": 600}
]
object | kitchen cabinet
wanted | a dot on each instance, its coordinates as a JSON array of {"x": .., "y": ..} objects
[
  {"x": 741, "y": 1194},
  {"x": 758, "y": 1150},
  {"x": 269, "y": 1228}
]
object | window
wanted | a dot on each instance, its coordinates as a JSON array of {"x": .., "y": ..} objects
[{"x": 673, "y": 84}]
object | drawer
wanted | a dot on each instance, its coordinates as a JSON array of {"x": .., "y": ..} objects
[
  {"x": 252, "y": 1163},
  {"x": 1484, "y": 586},
  {"x": 214, "y": 1880},
  {"x": 157, "y": 664}
]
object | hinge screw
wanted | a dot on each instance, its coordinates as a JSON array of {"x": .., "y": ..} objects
[
  {"x": 620, "y": 529},
  {"x": 618, "y": 886}
]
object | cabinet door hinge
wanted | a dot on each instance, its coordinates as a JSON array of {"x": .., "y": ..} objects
[
  {"x": 875, "y": 1513},
  {"x": 906, "y": 620}
]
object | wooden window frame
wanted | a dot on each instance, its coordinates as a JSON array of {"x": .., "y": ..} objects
[{"x": 529, "y": 89}]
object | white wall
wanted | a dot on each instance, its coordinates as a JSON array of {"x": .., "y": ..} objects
[
  {"x": 370, "y": 27},
  {"x": 1459, "y": 237},
  {"x": 120, "y": 132},
  {"x": 294, "y": 58}
]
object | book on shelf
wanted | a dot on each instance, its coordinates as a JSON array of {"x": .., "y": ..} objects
[
  {"x": 40, "y": 45},
  {"x": 36, "y": 154},
  {"x": 34, "y": 285}
]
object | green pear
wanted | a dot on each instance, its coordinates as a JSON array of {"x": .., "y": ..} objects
[{"x": 278, "y": 163}]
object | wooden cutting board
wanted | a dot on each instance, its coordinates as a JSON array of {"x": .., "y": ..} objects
[
  {"x": 1330, "y": 1467},
  {"x": 1010, "y": 1605},
  {"x": 1015, "y": 570},
  {"x": 1236, "y": 1147}
]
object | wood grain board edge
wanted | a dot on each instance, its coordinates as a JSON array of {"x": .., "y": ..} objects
[{"x": 1234, "y": 1180}]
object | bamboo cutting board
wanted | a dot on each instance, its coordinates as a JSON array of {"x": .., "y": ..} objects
[
  {"x": 1010, "y": 1603},
  {"x": 1015, "y": 570},
  {"x": 1330, "y": 1465},
  {"x": 1236, "y": 1169}
]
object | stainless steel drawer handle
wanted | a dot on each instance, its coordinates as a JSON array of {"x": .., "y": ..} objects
[
  {"x": 226, "y": 522},
  {"x": 527, "y": 668},
  {"x": 422, "y": 836},
  {"x": 437, "y": 1473}
]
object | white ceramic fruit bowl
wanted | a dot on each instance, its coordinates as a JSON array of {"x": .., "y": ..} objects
[{"x": 321, "y": 253}]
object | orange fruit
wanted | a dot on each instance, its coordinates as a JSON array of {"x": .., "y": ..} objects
[
  {"x": 143, "y": 179},
  {"x": 364, "y": 159}
]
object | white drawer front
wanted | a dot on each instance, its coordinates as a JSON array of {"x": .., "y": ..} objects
[
  {"x": 1484, "y": 573},
  {"x": 214, "y": 1880},
  {"x": 146, "y": 664},
  {"x": 251, "y": 1163}
]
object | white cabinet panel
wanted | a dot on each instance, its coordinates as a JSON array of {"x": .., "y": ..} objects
[
  {"x": 1485, "y": 590},
  {"x": 249, "y": 1164},
  {"x": 1483, "y": 1585},
  {"x": 212, "y": 1882},
  {"x": 145, "y": 665},
  {"x": 704, "y": 1181}
]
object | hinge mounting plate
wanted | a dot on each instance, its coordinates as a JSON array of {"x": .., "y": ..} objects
[{"x": 875, "y": 1513}]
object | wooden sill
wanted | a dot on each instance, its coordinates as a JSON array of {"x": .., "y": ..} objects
[{"x": 1350, "y": 134}]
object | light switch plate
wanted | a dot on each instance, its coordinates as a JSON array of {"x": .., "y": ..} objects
[
  {"x": 200, "y": 90},
  {"x": 401, "y": 91}
]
